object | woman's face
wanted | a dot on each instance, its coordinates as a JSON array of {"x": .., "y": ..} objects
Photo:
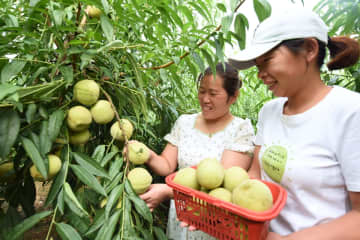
[
  {"x": 213, "y": 98},
  {"x": 282, "y": 71}
]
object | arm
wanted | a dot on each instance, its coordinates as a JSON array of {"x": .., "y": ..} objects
[
  {"x": 346, "y": 227},
  {"x": 232, "y": 158},
  {"x": 165, "y": 163},
  {"x": 254, "y": 171}
]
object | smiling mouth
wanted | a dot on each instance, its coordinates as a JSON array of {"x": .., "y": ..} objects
[
  {"x": 205, "y": 108},
  {"x": 271, "y": 85}
]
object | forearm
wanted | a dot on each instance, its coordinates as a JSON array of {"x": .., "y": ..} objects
[
  {"x": 346, "y": 227},
  {"x": 159, "y": 164}
]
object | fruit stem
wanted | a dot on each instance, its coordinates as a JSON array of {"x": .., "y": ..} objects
[
  {"x": 120, "y": 125},
  {"x": 52, "y": 223}
]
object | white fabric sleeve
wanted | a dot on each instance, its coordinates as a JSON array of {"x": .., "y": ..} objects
[
  {"x": 259, "y": 139},
  {"x": 174, "y": 136},
  {"x": 243, "y": 138},
  {"x": 349, "y": 152}
]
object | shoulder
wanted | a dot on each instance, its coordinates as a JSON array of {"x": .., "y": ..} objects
[
  {"x": 344, "y": 100},
  {"x": 186, "y": 118},
  {"x": 345, "y": 95},
  {"x": 273, "y": 105},
  {"x": 238, "y": 121}
]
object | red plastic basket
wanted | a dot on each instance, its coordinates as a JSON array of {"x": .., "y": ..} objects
[{"x": 221, "y": 219}]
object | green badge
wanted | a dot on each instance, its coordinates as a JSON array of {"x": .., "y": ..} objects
[{"x": 274, "y": 162}]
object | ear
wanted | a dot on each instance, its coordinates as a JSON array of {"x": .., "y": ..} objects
[
  {"x": 312, "y": 49},
  {"x": 233, "y": 99}
]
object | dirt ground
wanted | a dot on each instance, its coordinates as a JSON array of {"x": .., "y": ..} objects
[{"x": 39, "y": 231}]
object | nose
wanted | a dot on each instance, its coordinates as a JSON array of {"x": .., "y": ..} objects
[{"x": 262, "y": 74}]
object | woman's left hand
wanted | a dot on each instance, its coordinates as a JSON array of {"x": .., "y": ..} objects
[
  {"x": 156, "y": 194},
  {"x": 274, "y": 236}
]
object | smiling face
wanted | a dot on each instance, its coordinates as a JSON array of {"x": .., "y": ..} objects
[
  {"x": 282, "y": 71},
  {"x": 213, "y": 98}
]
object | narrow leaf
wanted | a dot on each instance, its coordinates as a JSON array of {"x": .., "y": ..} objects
[
  {"x": 109, "y": 227},
  {"x": 67, "y": 232},
  {"x": 57, "y": 184},
  {"x": 35, "y": 156},
  {"x": 69, "y": 195},
  {"x": 113, "y": 198},
  {"x": 262, "y": 9},
  {"x": 55, "y": 122},
  {"x": 88, "y": 179},
  {"x": 141, "y": 208},
  {"x": 99, "y": 152},
  {"x": 9, "y": 130},
  {"x": 6, "y": 90},
  {"x": 10, "y": 70},
  {"x": 30, "y": 112},
  {"x": 98, "y": 222},
  {"x": 45, "y": 141},
  {"x": 107, "y": 27},
  {"x": 159, "y": 233},
  {"x": 25, "y": 225},
  {"x": 90, "y": 165}
]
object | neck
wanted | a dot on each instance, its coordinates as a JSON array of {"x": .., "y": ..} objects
[
  {"x": 222, "y": 119},
  {"x": 212, "y": 126},
  {"x": 313, "y": 92}
]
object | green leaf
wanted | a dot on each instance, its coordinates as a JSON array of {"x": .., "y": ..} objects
[
  {"x": 135, "y": 69},
  {"x": 98, "y": 222},
  {"x": 141, "y": 208},
  {"x": 61, "y": 201},
  {"x": 108, "y": 228},
  {"x": 11, "y": 69},
  {"x": 221, "y": 7},
  {"x": 209, "y": 60},
  {"x": 219, "y": 48},
  {"x": 107, "y": 27},
  {"x": 126, "y": 228},
  {"x": 90, "y": 165},
  {"x": 107, "y": 158},
  {"x": 262, "y": 9},
  {"x": 240, "y": 26},
  {"x": 45, "y": 141},
  {"x": 159, "y": 233},
  {"x": 198, "y": 60},
  {"x": 113, "y": 198},
  {"x": 226, "y": 22},
  {"x": 35, "y": 156},
  {"x": 9, "y": 130},
  {"x": 6, "y": 90},
  {"x": 58, "y": 17},
  {"x": 71, "y": 199},
  {"x": 55, "y": 122},
  {"x": 200, "y": 10},
  {"x": 106, "y": 6},
  {"x": 25, "y": 225},
  {"x": 57, "y": 184},
  {"x": 67, "y": 232},
  {"x": 117, "y": 178},
  {"x": 98, "y": 153},
  {"x": 187, "y": 12},
  {"x": 30, "y": 112},
  {"x": 88, "y": 179}
]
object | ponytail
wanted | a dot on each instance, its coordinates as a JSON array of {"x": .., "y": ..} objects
[{"x": 344, "y": 52}]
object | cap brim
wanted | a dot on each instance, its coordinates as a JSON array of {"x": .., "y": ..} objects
[{"x": 247, "y": 57}]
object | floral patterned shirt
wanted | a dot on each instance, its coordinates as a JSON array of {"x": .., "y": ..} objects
[{"x": 194, "y": 145}]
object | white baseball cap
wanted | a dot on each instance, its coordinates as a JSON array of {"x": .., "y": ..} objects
[{"x": 291, "y": 24}]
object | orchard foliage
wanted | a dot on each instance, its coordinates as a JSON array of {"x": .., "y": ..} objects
[{"x": 144, "y": 55}]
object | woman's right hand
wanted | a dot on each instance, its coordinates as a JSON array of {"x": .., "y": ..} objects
[{"x": 156, "y": 194}]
